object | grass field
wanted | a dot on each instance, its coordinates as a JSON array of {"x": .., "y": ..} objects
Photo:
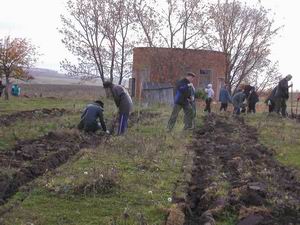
[
  {"x": 142, "y": 170},
  {"x": 130, "y": 179},
  {"x": 280, "y": 134}
]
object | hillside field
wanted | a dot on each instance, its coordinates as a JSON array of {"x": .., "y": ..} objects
[{"x": 226, "y": 171}]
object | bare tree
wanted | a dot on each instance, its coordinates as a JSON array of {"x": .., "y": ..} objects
[
  {"x": 84, "y": 38},
  {"x": 172, "y": 23},
  {"x": 148, "y": 19},
  {"x": 244, "y": 34},
  {"x": 17, "y": 55},
  {"x": 123, "y": 38},
  {"x": 266, "y": 78},
  {"x": 96, "y": 32},
  {"x": 195, "y": 19}
]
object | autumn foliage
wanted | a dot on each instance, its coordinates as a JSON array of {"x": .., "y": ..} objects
[{"x": 16, "y": 56}]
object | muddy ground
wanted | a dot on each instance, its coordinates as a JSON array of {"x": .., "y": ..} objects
[
  {"x": 235, "y": 175},
  {"x": 6, "y": 120},
  {"x": 32, "y": 158}
]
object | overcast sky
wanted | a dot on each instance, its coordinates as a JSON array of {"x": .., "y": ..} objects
[{"x": 38, "y": 20}]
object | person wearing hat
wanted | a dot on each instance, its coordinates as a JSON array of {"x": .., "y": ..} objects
[
  {"x": 209, "y": 97},
  {"x": 122, "y": 100},
  {"x": 90, "y": 116},
  {"x": 282, "y": 95},
  {"x": 183, "y": 100}
]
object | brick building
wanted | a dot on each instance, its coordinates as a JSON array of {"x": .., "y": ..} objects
[{"x": 166, "y": 66}]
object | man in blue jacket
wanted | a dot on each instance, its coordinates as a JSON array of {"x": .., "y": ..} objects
[
  {"x": 224, "y": 98},
  {"x": 237, "y": 101},
  {"x": 90, "y": 116},
  {"x": 182, "y": 100}
]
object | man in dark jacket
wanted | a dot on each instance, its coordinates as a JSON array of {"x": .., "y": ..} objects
[
  {"x": 282, "y": 95},
  {"x": 182, "y": 100},
  {"x": 90, "y": 116},
  {"x": 2, "y": 87},
  {"x": 122, "y": 100},
  {"x": 252, "y": 100},
  {"x": 247, "y": 90},
  {"x": 224, "y": 98},
  {"x": 270, "y": 100}
]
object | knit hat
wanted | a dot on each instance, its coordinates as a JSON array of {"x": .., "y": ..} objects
[
  {"x": 289, "y": 76},
  {"x": 100, "y": 103},
  {"x": 209, "y": 85}
]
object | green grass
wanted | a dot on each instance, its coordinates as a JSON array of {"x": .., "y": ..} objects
[
  {"x": 21, "y": 104},
  {"x": 145, "y": 166},
  {"x": 24, "y": 129},
  {"x": 30, "y": 129},
  {"x": 280, "y": 134}
]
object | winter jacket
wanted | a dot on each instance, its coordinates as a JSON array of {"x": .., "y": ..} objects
[
  {"x": 238, "y": 99},
  {"x": 182, "y": 92},
  {"x": 271, "y": 96},
  {"x": 247, "y": 89},
  {"x": 122, "y": 99},
  {"x": 210, "y": 92},
  {"x": 282, "y": 90},
  {"x": 89, "y": 118},
  {"x": 253, "y": 98},
  {"x": 224, "y": 96}
]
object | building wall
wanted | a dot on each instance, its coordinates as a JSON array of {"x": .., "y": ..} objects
[
  {"x": 153, "y": 96},
  {"x": 165, "y": 65}
]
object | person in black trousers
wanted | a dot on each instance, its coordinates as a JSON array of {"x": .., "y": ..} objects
[{"x": 252, "y": 100}]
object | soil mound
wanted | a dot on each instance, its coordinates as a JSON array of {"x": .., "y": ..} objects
[{"x": 234, "y": 173}]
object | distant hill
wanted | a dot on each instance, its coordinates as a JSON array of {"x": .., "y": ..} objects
[{"x": 48, "y": 76}]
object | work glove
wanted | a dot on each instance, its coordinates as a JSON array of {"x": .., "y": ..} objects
[
  {"x": 107, "y": 131},
  {"x": 190, "y": 85},
  {"x": 269, "y": 102}
]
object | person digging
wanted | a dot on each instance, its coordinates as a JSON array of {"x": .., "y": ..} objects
[
  {"x": 89, "y": 118},
  {"x": 123, "y": 102},
  {"x": 238, "y": 101}
]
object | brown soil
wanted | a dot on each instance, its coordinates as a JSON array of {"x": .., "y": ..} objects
[
  {"x": 6, "y": 120},
  {"x": 234, "y": 173},
  {"x": 32, "y": 158}
]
